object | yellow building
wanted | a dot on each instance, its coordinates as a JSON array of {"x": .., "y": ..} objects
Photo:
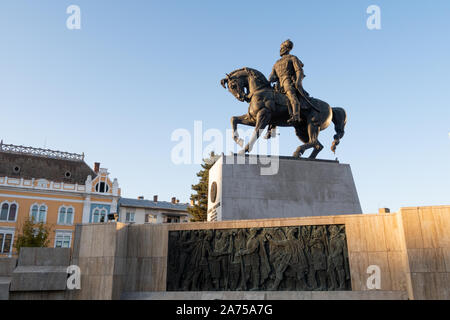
[{"x": 57, "y": 188}]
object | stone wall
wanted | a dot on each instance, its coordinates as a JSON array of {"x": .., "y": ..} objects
[
  {"x": 411, "y": 248},
  {"x": 41, "y": 273},
  {"x": 427, "y": 241},
  {"x": 100, "y": 251},
  {"x": 7, "y": 266},
  {"x": 366, "y": 240}
]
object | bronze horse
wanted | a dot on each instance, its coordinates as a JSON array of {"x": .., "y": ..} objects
[{"x": 269, "y": 108}]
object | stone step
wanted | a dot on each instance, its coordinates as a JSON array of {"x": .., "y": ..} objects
[
  {"x": 4, "y": 288},
  {"x": 266, "y": 295}
]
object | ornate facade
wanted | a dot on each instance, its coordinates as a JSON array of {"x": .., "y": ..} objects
[{"x": 57, "y": 188}]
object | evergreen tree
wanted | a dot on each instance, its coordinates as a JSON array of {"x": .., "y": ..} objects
[{"x": 200, "y": 198}]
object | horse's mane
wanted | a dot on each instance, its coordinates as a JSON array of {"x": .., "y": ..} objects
[{"x": 258, "y": 76}]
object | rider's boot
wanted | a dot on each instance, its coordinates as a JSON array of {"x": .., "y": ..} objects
[
  {"x": 295, "y": 118},
  {"x": 291, "y": 120}
]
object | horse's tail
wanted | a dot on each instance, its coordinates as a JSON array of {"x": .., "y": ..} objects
[{"x": 339, "y": 119}]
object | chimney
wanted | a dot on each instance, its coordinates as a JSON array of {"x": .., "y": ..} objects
[
  {"x": 96, "y": 167},
  {"x": 174, "y": 200},
  {"x": 384, "y": 210},
  {"x": 155, "y": 198},
  {"x": 141, "y": 198}
]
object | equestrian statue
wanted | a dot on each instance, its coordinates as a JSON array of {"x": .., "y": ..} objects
[{"x": 284, "y": 104}]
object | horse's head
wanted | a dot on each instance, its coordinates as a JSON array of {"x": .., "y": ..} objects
[{"x": 237, "y": 84}]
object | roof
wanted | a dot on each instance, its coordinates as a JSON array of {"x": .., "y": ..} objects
[
  {"x": 148, "y": 204},
  {"x": 28, "y": 163}
]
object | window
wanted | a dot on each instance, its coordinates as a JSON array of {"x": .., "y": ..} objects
[
  {"x": 172, "y": 219},
  {"x": 129, "y": 217},
  {"x": 63, "y": 239},
  {"x": 150, "y": 218},
  {"x": 6, "y": 239},
  {"x": 39, "y": 213},
  {"x": 65, "y": 216},
  {"x": 102, "y": 187},
  {"x": 99, "y": 215},
  {"x": 8, "y": 212},
  {"x": 4, "y": 212}
]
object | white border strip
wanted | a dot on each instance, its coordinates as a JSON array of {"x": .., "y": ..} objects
[{"x": 7, "y": 195}]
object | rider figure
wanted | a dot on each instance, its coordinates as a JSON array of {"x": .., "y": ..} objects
[{"x": 288, "y": 72}]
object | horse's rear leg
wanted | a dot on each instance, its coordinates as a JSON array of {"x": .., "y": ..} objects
[
  {"x": 317, "y": 148},
  {"x": 300, "y": 150},
  {"x": 313, "y": 133}
]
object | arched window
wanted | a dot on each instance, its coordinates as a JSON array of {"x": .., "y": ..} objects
[
  {"x": 42, "y": 213},
  {"x": 96, "y": 216},
  {"x": 99, "y": 215},
  {"x": 34, "y": 212},
  {"x": 102, "y": 187},
  {"x": 12, "y": 212},
  {"x": 8, "y": 212},
  {"x": 4, "y": 212},
  {"x": 69, "y": 216},
  {"x": 62, "y": 215},
  {"x": 39, "y": 213},
  {"x": 65, "y": 215}
]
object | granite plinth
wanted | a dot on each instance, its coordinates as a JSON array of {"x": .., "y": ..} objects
[{"x": 244, "y": 188}]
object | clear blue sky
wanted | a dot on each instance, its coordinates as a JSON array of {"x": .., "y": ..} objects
[{"x": 137, "y": 70}]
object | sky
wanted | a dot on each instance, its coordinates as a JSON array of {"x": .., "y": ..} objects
[{"x": 136, "y": 71}]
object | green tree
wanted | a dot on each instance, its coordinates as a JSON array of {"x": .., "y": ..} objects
[
  {"x": 200, "y": 198},
  {"x": 33, "y": 235}
]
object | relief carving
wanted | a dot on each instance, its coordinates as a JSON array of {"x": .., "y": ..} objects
[{"x": 298, "y": 258}]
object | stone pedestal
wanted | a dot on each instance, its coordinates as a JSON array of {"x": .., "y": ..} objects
[{"x": 254, "y": 187}]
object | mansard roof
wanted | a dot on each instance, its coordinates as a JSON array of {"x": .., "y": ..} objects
[
  {"x": 148, "y": 204},
  {"x": 29, "y": 162}
]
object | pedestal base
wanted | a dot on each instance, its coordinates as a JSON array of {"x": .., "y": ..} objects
[
  {"x": 258, "y": 188},
  {"x": 267, "y": 295}
]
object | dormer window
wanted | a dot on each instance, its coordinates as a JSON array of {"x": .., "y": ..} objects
[{"x": 102, "y": 187}]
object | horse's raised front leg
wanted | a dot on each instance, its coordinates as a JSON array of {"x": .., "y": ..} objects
[
  {"x": 262, "y": 120},
  {"x": 244, "y": 119}
]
